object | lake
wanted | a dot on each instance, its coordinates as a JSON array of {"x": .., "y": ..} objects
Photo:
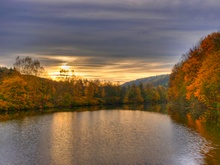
[{"x": 125, "y": 135}]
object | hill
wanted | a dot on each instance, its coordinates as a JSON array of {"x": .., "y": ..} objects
[{"x": 162, "y": 80}]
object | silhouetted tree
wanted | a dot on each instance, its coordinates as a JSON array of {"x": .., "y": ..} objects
[{"x": 28, "y": 66}]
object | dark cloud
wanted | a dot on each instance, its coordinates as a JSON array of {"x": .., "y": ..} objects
[{"x": 104, "y": 34}]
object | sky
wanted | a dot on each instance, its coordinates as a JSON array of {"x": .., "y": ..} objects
[{"x": 114, "y": 40}]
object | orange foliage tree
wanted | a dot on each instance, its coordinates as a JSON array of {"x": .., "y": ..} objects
[{"x": 196, "y": 79}]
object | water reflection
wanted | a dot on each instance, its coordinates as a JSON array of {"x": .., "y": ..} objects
[
  {"x": 209, "y": 132},
  {"x": 111, "y": 136},
  {"x": 61, "y": 137}
]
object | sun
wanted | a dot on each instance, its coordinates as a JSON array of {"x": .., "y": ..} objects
[{"x": 65, "y": 67}]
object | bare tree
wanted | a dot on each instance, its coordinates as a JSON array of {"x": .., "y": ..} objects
[{"x": 28, "y": 66}]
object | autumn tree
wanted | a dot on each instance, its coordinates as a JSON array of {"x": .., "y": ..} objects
[
  {"x": 133, "y": 95},
  {"x": 13, "y": 95},
  {"x": 196, "y": 79}
]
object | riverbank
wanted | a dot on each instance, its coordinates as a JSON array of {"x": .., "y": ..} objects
[{"x": 7, "y": 115}]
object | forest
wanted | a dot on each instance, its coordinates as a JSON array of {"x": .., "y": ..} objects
[
  {"x": 194, "y": 82},
  {"x": 193, "y": 86},
  {"x": 22, "y": 88}
]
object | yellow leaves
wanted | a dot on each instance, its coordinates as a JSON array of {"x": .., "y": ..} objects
[
  {"x": 208, "y": 45},
  {"x": 189, "y": 92},
  {"x": 197, "y": 93},
  {"x": 198, "y": 80},
  {"x": 4, "y": 105},
  {"x": 205, "y": 86},
  {"x": 13, "y": 83},
  {"x": 13, "y": 91}
]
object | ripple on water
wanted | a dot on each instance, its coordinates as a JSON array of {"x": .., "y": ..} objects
[
  {"x": 100, "y": 137},
  {"x": 193, "y": 146}
]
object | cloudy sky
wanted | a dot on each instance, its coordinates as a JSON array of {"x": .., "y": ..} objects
[{"x": 116, "y": 40}]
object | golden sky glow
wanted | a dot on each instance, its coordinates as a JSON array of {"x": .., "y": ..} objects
[
  {"x": 117, "y": 40},
  {"x": 121, "y": 71}
]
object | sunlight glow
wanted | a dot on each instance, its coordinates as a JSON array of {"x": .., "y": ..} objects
[{"x": 66, "y": 67}]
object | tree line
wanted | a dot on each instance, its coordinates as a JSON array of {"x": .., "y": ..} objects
[
  {"x": 194, "y": 82},
  {"x": 22, "y": 89}
]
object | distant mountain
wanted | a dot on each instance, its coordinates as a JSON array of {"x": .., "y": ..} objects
[{"x": 162, "y": 80}]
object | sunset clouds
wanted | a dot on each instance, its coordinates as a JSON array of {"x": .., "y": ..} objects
[{"x": 117, "y": 40}]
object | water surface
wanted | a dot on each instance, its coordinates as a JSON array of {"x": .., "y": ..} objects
[{"x": 101, "y": 137}]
